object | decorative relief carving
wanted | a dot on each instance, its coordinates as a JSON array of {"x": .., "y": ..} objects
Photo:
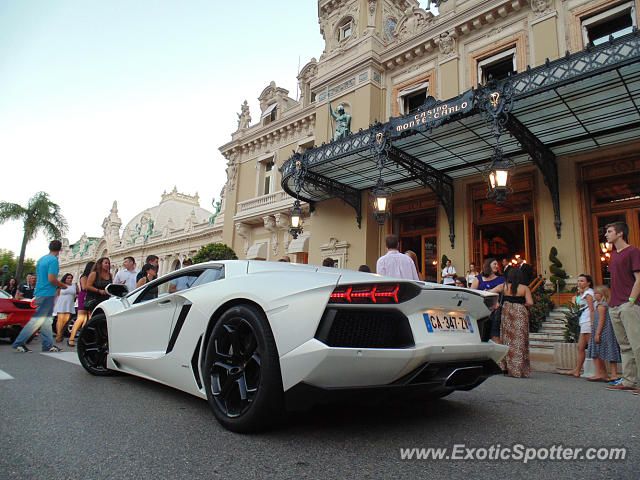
[
  {"x": 337, "y": 250},
  {"x": 330, "y": 19},
  {"x": 541, "y": 7},
  {"x": 414, "y": 21},
  {"x": 446, "y": 44},
  {"x": 243, "y": 232},
  {"x": 270, "y": 225},
  {"x": 372, "y": 11},
  {"x": 232, "y": 171}
]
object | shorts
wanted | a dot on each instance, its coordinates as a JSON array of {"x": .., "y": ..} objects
[{"x": 585, "y": 327}]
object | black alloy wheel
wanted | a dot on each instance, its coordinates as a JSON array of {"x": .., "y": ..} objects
[
  {"x": 93, "y": 346},
  {"x": 242, "y": 370}
]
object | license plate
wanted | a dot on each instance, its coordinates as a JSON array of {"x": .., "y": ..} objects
[
  {"x": 447, "y": 322},
  {"x": 3, "y": 316}
]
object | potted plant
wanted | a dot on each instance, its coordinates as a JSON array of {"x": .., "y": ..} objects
[{"x": 566, "y": 354}]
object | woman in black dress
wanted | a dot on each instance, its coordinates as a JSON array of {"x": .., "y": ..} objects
[{"x": 98, "y": 280}]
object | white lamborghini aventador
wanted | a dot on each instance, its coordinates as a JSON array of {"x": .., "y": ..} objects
[{"x": 259, "y": 338}]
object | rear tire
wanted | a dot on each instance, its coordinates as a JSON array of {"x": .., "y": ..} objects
[
  {"x": 241, "y": 373},
  {"x": 93, "y": 346}
]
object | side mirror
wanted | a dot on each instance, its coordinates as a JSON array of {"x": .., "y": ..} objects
[{"x": 117, "y": 290}]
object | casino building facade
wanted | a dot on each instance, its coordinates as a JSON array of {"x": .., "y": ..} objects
[{"x": 545, "y": 91}]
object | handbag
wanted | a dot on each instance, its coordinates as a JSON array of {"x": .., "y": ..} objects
[{"x": 90, "y": 304}]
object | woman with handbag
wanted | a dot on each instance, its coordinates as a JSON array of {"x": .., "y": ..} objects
[
  {"x": 490, "y": 280},
  {"x": 64, "y": 305},
  {"x": 82, "y": 311},
  {"x": 98, "y": 280},
  {"x": 515, "y": 324},
  {"x": 586, "y": 300}
]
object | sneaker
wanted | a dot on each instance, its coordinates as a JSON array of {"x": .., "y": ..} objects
[
  {"x": 54, "y": 349},
  {"x": 22, "y": 349},
  {"x": 620, "y": 387}
]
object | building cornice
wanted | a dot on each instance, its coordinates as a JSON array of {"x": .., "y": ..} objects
[
  {"x": 299, "y": 121},
  {"x": 452, "y": 25}
]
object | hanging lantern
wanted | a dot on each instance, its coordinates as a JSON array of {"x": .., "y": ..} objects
[
  {"x": 296, "y": 218},
  {"x": 381, "y": 200},
  {"x": 498, "y": 174}
]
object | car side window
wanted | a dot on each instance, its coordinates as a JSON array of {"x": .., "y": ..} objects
[
  {"x": 210, "y": 275},
  {"x": 172, "y": 284}
]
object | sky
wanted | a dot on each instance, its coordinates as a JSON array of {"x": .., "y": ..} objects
[{"x": 104, "y": 100}]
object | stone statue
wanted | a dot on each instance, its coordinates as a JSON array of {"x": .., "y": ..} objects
[
  {"x": 343, "y": 122},
  {"x": 244, "y": 118}
]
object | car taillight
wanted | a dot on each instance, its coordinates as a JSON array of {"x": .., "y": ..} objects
[
  {"x": 34, "y": 304},
  {"x": 377, "y": 293}
]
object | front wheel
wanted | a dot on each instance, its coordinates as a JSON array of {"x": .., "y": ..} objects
[
  {"x": 242, "y": 371},
  {"x": 93, "y": 346}
]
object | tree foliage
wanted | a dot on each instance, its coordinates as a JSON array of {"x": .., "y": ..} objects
[
  {"x": 572, "y": 323},
  {"x": 7, "y": 258},
  {"x": 558, "y": 275},
  {"x": 542, "y": 305},
  {"x": 214, "y": 251},
  {"x": 40, "y": 215}
]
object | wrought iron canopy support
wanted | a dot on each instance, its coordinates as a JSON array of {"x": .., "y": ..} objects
[
  {"x": 440, "y": 183},
  {"x": 347, "y": 194},
  {"x": 545, "y": 160}
]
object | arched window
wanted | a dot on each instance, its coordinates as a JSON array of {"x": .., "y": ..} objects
[{"x": 345, "y": 28}]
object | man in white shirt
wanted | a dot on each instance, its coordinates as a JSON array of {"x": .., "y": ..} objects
[
  {"x": 449, "y": 274},
  {"x": 394, "y": 263},
  {"x": 128, "y": 275}
]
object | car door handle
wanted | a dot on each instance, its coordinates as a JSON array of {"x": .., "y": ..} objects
[{"x": 164, "y": 302}]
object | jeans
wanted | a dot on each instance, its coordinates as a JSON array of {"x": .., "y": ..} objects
[{"x": 42, "y": 320}]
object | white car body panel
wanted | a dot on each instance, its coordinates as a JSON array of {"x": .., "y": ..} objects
[{"x": 293, "y": 298}]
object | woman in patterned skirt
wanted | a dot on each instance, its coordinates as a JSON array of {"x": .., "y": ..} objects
[
  {"x": 603, "y": 344},
  {"x": 515, "y": 325}
]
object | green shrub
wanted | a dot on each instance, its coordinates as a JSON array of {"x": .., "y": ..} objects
[
  {"x": 558, "y": 275},
  {"x": 214, "y": 251},
  {"x": 542, "y": 305},
  {"x": 572, "y": 323}
]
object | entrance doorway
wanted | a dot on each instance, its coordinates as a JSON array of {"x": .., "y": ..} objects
[
  {"x": 611, "y": 200},
  {"x": 415, "y": 222},
  {"x": 505, "y": 231}
]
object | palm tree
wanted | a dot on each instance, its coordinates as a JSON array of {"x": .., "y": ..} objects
[{"x": 40, "y": 214}]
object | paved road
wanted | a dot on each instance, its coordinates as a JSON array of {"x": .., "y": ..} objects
[{"x": 60, "y": 422}]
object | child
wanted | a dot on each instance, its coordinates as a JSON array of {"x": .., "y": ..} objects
[
  {"x": 603, "y": 344},
  {"x": 587, "y": 304}
]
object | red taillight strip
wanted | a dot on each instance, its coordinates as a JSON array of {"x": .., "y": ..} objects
[
  {"x": 392, "y": 294},
  {"x": 372, "y": 293}
]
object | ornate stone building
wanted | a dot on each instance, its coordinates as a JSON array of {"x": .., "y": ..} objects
[
  {"x": 174, "y": 229},
  {"x": 571, "y": 138}
]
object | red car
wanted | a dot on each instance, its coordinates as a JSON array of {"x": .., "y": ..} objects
[{"x": 14, "y": 314}]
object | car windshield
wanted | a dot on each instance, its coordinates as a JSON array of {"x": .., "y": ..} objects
[{"x": 4, "y": 294}]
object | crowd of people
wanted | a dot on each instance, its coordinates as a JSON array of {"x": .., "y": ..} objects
[
  {"x": 58, "y": 298},
  {"x": 609, "y": 318}
]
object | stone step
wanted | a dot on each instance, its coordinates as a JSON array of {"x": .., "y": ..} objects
[
  {"x": 551, "y": 328},
  {"x": 541, "y": 349},
  {"x": 542, "y": 338},
  {"x": 556, "y": 315},
  {"x": 552, "y": 322}
]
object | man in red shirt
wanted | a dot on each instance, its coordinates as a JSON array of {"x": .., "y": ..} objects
[{"x": 624, "y": 308}]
